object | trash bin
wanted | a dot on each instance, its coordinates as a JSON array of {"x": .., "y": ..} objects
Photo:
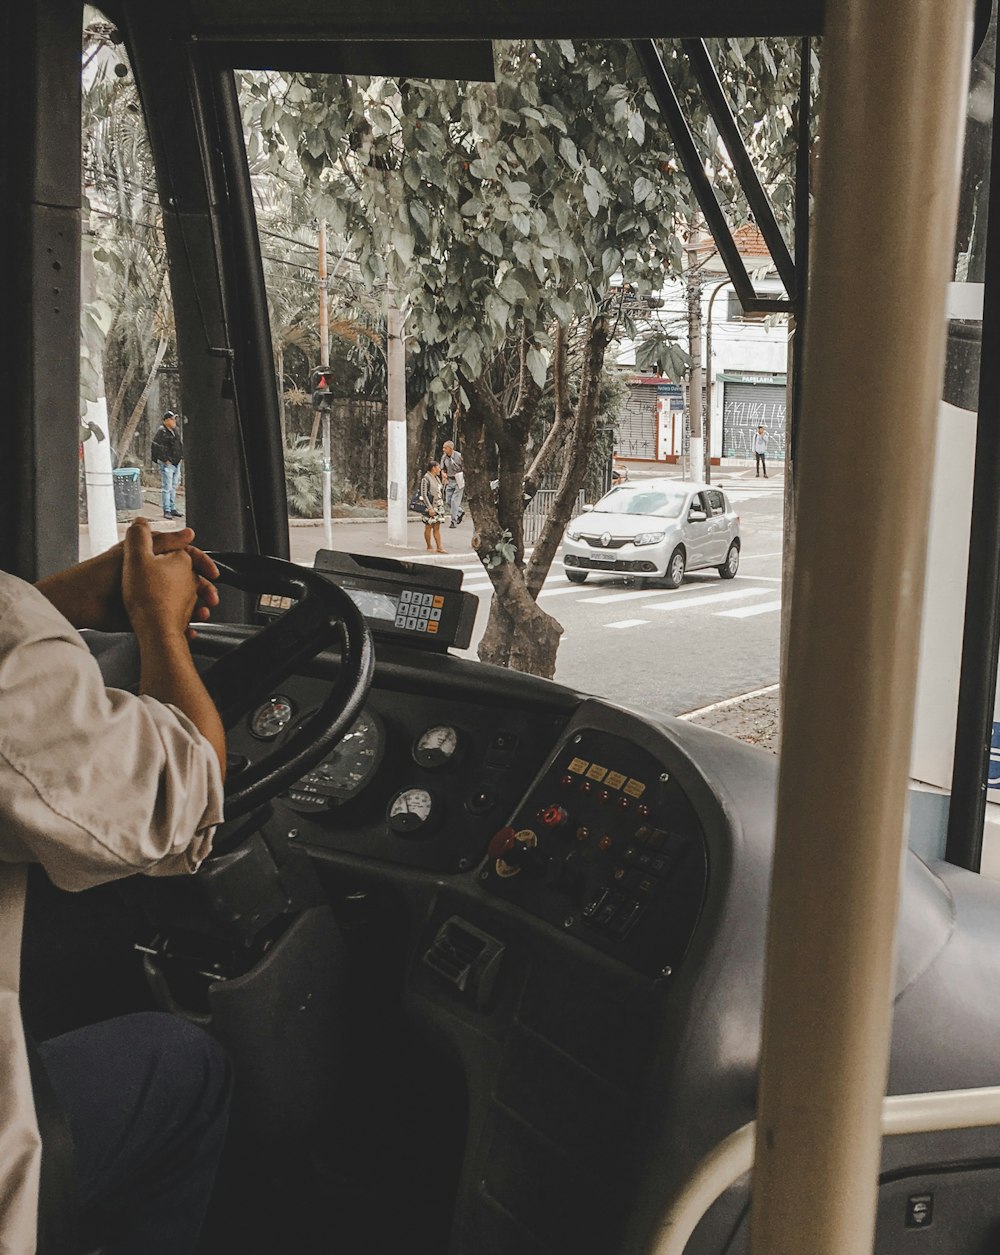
[{"x": 128, "y": 490}]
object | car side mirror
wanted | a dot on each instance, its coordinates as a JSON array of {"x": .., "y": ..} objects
[{"x": 586, "y": 508}]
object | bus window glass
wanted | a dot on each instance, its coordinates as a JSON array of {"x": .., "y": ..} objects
[
  {"x": 517, "y": 229},
  {"x": 129, "y": 375}
]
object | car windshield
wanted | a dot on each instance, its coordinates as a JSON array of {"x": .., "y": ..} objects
[{"x": 666, "y": 502}]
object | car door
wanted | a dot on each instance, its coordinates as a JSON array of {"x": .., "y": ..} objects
[
  {"x": 697, "y": 531},
  {"x": 719, "y": 526}
]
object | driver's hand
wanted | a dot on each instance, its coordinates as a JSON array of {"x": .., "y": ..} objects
[
  {"x": 90, "y": 594},
  {"x": 166, "y": 583}
]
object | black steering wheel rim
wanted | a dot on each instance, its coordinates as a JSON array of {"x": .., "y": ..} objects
[{"x": 322, "y": 615}]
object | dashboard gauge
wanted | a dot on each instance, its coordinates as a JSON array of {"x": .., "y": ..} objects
[
  {"x": 411, "y": 811},
  {"x": 271, "y": 719},
  {"x": 346, "y": 769},
  {"x": 436, "y": 746}
]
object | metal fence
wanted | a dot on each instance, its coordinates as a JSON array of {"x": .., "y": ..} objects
[{"x": 537, "y": 510}]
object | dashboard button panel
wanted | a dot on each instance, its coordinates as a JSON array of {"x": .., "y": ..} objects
[{"x": 625, "y": 875}]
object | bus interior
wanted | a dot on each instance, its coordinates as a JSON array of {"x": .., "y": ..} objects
[{"x": 499, "y": 963}]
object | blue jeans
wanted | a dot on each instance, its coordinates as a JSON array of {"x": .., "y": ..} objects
[
  {"x": 147, "y": 1099},
  {"x": 170, "y": 477},
  {"x": 453, "y": 496}
]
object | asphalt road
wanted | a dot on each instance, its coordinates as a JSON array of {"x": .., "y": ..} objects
[{"x": 666, "y": 650}]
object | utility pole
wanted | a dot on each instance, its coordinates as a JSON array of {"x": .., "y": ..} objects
[
  {"x": 324, "y": 352},
  {"x": 696, "y": 458},
  {"x": 398, "y": 496}
]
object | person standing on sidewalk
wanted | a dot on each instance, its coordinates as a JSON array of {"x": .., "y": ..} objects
[
  {"x": 168, "y": 453},
  {"x": 454, "y": 492},
  {"x": 432, "y": 495},
  {"x": 760, "y": 451}
]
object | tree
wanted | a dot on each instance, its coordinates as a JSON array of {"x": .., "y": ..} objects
[{"x": 508, "y": 215}]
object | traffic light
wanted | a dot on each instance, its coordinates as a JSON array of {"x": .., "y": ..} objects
[{"x": 321, "y": 379}]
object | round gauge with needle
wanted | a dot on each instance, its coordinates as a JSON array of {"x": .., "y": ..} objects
[
  {"x": 437, "y": 746},
  {"x": 271, "y": 719},
  {"x": 411, "y": 812}
]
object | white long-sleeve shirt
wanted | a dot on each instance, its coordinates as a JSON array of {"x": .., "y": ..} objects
[{"x": 95, "y": 784}]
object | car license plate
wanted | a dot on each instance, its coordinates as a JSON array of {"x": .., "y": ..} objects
[{"x": 602, "y": 557}]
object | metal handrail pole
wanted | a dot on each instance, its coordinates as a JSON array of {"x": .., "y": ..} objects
[
  {"x": 733, "y": 1156},
  {"x": 895, "y": 83}
]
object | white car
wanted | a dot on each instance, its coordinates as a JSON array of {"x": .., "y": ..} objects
[{"x": 657, "y": 529}]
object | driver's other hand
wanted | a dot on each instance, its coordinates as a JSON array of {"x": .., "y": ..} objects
[
  {"x": 204, "y": 568},
  {"x": 160, "y": 590}
]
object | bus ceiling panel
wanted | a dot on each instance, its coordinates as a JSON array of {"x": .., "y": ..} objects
[
  {"x": 466, "y": 59},
  {"x": 501, "y": 19}
]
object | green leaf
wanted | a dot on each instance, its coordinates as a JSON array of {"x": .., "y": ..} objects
[
  {"x": 641, "y": 188},
  {"x": 537, "y": 364},
  {"x": 411, "y": 174},
  {"x": 498, "y": 310},
  {"x": 420, "y": 216},
  {"x": 567, "y": 49},
  {"x": 567, "y": 150},
  {"x": 637, "y": 128},
  {"x": 522, "y": 223},
  {"x": 593, "y": 199},
  {"x": 512, "y": 290},
  {"x": 402, "y": 243},
  {"x": 490, "y": 243}
]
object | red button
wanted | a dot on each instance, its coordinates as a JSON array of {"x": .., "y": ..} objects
[
  {"x": 565, "y": 782},
  {"x": 501, "y": 843},
  {"x": 553, "y": 816},
  {"x": 605, "y": 843},
  {"x": 604, "y": 796}
]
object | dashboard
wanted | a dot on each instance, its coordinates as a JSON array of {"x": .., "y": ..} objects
[
  {"x": 591, "y": 833},
  {"x": 557, "y": 907}
]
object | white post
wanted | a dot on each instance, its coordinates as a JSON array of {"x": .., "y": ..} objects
[
  {"x": 102, "y": 520},
  {"x": 327, "y": 471},
  {"x": 398, "y": 494}
]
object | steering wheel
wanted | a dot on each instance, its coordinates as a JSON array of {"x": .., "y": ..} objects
[{"x": 323, "y": 614}]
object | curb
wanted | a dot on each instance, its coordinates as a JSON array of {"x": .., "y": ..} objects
[{"x": 374, "y": 518}]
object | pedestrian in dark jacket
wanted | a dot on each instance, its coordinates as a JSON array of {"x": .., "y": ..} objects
[{"x": 168, "y": 454}]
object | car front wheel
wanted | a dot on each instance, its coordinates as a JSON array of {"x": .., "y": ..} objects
[
  {"x": 575, "y": 577},
  {"x": 675, "y": 568},
  {"x": 732, "y": 562}
]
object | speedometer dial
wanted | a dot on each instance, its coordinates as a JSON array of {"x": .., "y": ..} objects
[
  {"x": 411, "y": 812},
  {"x": 436, "y": 746},
  {"x": 345, "y": 771},
  {"x": 271, "y": 719}
]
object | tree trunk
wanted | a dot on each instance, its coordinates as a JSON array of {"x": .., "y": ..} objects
[
  {"x": 281, "y": 397},
  {"x": 140, "y": 405},
  {"x": 519, "y": 634}
]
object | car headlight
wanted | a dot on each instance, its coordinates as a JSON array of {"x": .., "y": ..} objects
[
  {"x": 572, "y": 534},
  {"x": 649, "y": 538}
]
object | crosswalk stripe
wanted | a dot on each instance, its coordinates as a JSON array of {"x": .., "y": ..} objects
[
  {"x": 560, "y": 590},
  {"x": 677, "y": 597},
  {"x": 607, "y": 599},
  {"x": 732, "y": 594},
  {"x": 744, "y": 612},
  {"x": 627, "y": 623}
]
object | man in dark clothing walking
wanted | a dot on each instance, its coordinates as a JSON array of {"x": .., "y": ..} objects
[{"x": 168, "y": 453}]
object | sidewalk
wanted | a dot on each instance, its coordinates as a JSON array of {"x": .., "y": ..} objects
[{"x": 368, "y": 535}]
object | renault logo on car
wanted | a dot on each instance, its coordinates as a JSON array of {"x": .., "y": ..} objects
[{"x": 606, "y": 539}]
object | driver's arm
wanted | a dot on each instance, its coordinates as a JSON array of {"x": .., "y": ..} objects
[
  {"x": 160, "y": 592},
  {"x": 96, "y": 783}
]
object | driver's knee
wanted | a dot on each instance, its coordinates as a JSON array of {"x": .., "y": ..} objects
[{"x": 147, "y": 1097}]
